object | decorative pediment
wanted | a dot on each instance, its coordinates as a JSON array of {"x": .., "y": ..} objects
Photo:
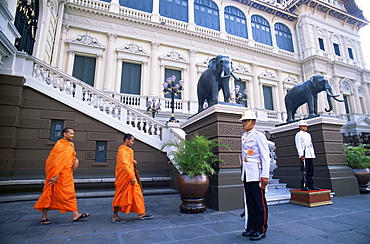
[
  {"x": 86, "y": 40},
  {"x": 204, "y": 62},
  {"x": 291, "y": 80},
  {"x": 267, "y": 75},
  {"x": 174, "y": 56},
  {"x": 242, "y": 69},
  {"x": 133, "y": 49}
]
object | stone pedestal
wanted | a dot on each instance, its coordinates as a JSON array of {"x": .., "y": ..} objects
[
  {"x": 221, "y": 122},
  {"x": 331, "y": 170},
  {"x": 310, "y": 198}
]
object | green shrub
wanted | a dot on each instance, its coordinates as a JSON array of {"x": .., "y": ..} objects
[
  {"x": 194, "y": 156},
  {"x": 356, "y": 156}
]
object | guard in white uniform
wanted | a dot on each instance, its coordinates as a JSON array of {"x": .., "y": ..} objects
[
  {"x": 255, "y": 174},
  {"x": 306, "y": 154}
]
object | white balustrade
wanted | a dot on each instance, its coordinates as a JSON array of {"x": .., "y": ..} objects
[
  {"x": 92, "y": 4},
  {"x": 97, "y": 100}
]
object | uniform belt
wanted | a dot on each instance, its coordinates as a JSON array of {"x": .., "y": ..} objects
[{"x": 253, "y": 160}]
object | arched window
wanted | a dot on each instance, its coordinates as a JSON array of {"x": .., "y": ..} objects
[
  {"x": 283, "y": 37},
  {"x": 206, "y": 14},
  {"x": 261, "y": 30},
  {"x": 174, "y": 9},
  {"x": 143, "y": 5},
  {"x": 235, "y": 22}
]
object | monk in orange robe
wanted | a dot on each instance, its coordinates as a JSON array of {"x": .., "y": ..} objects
[
  {"x": 59, "y": 190},
  {"x": 128, "y": 196}
]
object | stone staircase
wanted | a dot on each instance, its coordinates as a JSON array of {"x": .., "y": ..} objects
[{"x": 277, "y": 193}]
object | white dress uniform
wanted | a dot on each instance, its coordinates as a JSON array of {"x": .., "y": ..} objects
[
  {"x": 303, "y": 143},
  {"x": 255, "y": 156}
]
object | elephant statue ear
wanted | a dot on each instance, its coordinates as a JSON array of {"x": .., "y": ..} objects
[{"x": 212, "y": 64}]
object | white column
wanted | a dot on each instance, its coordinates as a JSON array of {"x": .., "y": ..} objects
[
  {"x": 249, "y": 25},
  {"x": 70, "y": 61},
  {"x": 109, "y": 63},
  {"x": 60, "y": 53},
  {"x": 191, "y": 21},
  {"x": 59, "y": 33},
  {"x": 155, "y": 12},
  {"x": 255, "y": 84},
  {"x": 161, "y": 80},
  {"x": 145, "y": 84},
  {"x": 222, "y": 21},
  {"x": 273, "y": 35},
  {"x": 154, "y": 70},
  {"x": 145, "y": 79},
  {"x": 118, "y": 75},
  {"x": 302, "y": 109},
  {"x": 367, "y": 97},
  {"x": 98, "y": 69},
  {"x": 280, "y": 91},
  {"x": 356, "y": 98},
  {"x": 193, "y": 79}
]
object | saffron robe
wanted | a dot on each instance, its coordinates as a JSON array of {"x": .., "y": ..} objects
[
  {"x": 60, "y": 196},
  {"x": 128, "y": 198}
]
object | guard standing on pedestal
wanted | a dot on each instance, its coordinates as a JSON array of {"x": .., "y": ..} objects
[
  {"x": 306, "y": 154},
  {"x": 255, "y": 168}
]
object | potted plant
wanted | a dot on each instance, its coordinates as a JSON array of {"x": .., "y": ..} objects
[
  {"x": 194, "y": 159},
  {"x": 358, "y": 160}
]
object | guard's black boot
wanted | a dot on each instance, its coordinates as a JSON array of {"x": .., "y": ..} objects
[
  {"x": 314, "y": 188},
  {"x": 257, "y": 236},
  {"x": 305, "y": 189},
  {"x": 248, "y": 233}
]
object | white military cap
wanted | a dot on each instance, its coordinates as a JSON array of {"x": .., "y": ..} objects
[
  {"x": 302, "y": 122},
  {"x": 249, "y": 114}
]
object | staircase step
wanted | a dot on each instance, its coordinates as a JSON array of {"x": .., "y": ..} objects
[
  {"x": 276, "y": 186},
  {"x": 85, "y": 194},
  {"x": 278, "y": 196},
  {"x": 77, "y": 181}
]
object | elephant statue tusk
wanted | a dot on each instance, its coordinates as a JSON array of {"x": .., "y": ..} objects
[
  {"x": 333, "y": 96},
  {"x": 223, "y": 75}
]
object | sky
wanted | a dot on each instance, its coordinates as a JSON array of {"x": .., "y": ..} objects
[{"x": 364, "y": 5}]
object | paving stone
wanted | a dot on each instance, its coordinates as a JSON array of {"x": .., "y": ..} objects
[
  {"x": 189, "y": 232},
  {"x": 142, "y": 237},
  {"x": 345, "y": 221},
  {"x": 96, "y": 239}
]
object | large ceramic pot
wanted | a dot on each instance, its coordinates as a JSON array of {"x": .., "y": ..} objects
[
  {"x": 192, "y": 191},
  {"x": 363, "y": 178}
]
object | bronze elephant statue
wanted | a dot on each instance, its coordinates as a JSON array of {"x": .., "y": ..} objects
[
  {"x": 215, "y": 78},
  {"x": 307, "y": 93}
]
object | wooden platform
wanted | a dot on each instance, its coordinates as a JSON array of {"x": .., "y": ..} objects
[{"x": 311, "y": 198}]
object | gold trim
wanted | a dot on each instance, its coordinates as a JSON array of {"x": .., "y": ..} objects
[
  {"x": 310, "y": 193},
  {"x": 311, "y": 204}
]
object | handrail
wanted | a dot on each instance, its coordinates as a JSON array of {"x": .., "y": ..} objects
[{"x": 95, "y": 99}]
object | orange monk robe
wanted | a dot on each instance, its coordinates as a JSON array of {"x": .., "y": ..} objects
[
  {"x": 60, "y": 196},
  {"x": 129, "y": 198}
]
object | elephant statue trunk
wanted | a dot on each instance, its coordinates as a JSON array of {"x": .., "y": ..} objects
[{"x": 328, "y": 97}]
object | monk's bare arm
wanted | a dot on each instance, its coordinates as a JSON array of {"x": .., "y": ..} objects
[
  {"x": 53, "y": 180},
  {"x": 75, "y": 164}
]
